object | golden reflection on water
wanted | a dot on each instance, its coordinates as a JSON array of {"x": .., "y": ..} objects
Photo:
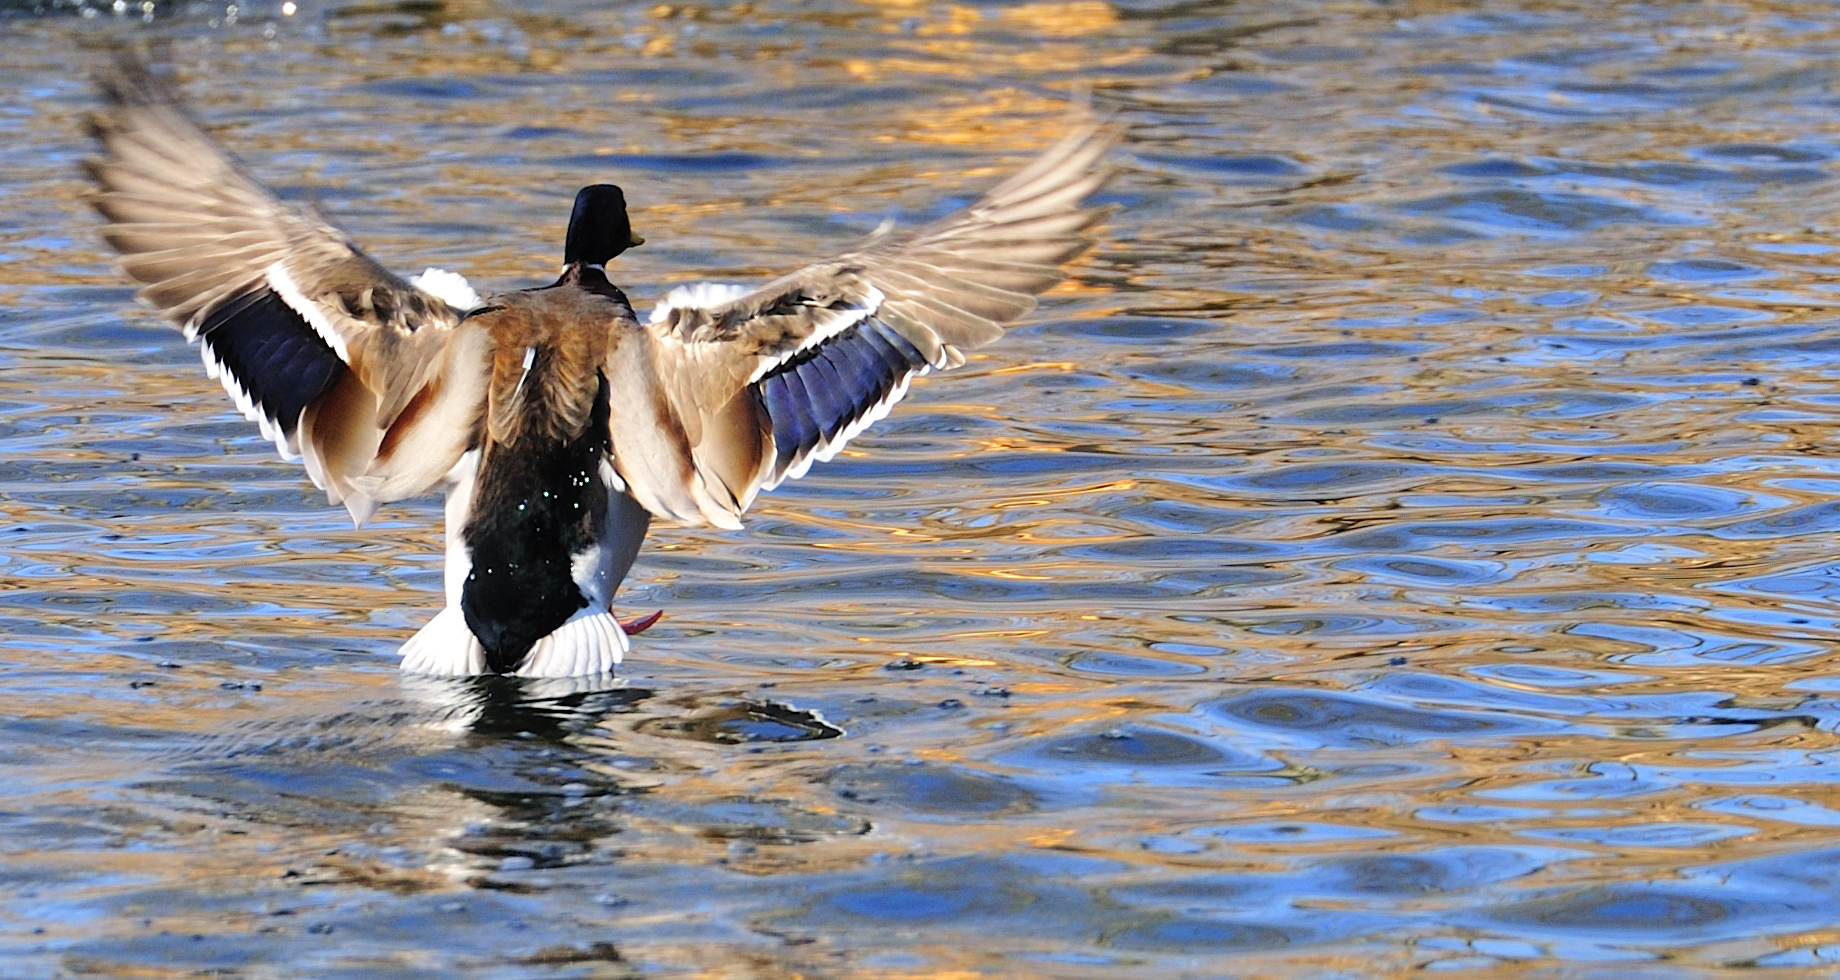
[{"x": 1378, "y": 557}]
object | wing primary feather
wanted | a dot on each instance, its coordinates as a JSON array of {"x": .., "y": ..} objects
[{"x": 1073, "y": 156}]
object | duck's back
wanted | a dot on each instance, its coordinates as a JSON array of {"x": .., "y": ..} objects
[{"x": 535, "y": 525}]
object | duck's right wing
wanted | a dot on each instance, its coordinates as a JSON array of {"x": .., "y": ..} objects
[
  {"x": 375, "y": 381},
  {"x": 745, "y": 388}
]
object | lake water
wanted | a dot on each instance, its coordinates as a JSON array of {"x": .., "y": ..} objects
[{"x": 1407, "y": 542}]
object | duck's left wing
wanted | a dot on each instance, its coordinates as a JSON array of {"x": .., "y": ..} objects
[
  {"x": 334, "y": 357},
  {"x": 754, "y": 385}
]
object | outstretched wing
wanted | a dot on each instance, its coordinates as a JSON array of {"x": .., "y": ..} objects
[
  {"x": 753, "y": 385},
  {"x": 363, "y": 374}
]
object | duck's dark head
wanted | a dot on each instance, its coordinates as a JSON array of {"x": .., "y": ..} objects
[{"x": 598, "y": 229}]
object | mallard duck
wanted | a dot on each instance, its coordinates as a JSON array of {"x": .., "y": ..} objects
[{"x": 560, "y": 422}]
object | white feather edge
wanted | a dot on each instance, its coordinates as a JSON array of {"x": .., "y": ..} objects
[
  {"x": 448, "y": 287},
  {"x": 530, "y": 358},
  {"x": 233, "y": 385},
  {"x": 291, "y": 294},
  {"x": 824, "y": 330}
]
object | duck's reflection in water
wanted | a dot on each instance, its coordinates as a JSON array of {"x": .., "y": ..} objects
[
  {"x": 569, "y": 786},
  {"x": 548, "y": 708},
  {"x": 522, "y": 820},
  {"x": 555, "y": 709}
]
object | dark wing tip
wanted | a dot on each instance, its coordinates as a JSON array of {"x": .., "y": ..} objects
[
  {"x": 127, "y": 82},
  {"x": 128, "y": 79}
]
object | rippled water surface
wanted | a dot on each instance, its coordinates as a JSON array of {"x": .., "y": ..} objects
[{"x": 1406, "y": 543}]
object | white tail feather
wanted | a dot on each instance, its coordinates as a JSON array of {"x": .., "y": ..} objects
[
  {"x": 445, "y": 647},
  {"x": 591, "y": 642}
]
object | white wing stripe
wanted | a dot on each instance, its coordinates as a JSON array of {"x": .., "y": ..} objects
[{"x": 285, "y": 287}]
